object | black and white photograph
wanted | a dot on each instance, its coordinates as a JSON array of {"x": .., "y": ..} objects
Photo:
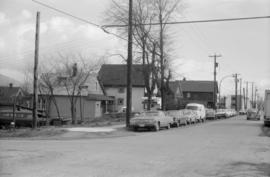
[{"x": 135, "y": 88}]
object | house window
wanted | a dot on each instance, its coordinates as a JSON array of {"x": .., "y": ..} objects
[
  {"x": 120, "y": 101},
  {"x": 121, "y": 90}
]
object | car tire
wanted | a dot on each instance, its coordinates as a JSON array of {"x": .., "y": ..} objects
[{"x": 157, "y": 127}]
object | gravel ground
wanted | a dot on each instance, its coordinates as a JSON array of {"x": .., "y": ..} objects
[{"x": 224, "y": 148}]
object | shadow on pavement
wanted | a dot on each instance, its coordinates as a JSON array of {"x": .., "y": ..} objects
[
  {"x": 244, "y": 169},
  {"x": 260, "y": 169},
  {"x": 265, "y": 131}
]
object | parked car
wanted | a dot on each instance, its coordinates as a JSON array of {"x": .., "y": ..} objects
[
  {"x": 23, "y": 118},
  {"x": 178, "y": 117},
  {"x": 221, "y": 113},
  {"x": 228, "y": 113},
  {"x": 233, "y": 113},
  {"x": 190, "y": 116},
  {"x": 151, "y": 120},
  {"x": 253, "y": 114},
  {"x": 199, "y": 108},
  {"x": 210, "y": 114},
  {"x": 242, "y": 112},
  {"x": 266, "y": 116}
]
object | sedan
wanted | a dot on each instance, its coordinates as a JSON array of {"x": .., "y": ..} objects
[
  {"x": 190, "y": 116},
  {"x": 154, "y": 120},
  {"x": 253, "y": 114},
  {"x": 210, "y": 114},
  {"x": 178, "y": 117},
  {"x": 221, "y": 113}
]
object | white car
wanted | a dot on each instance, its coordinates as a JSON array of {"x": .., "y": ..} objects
[{"x": 200, "y": 110}]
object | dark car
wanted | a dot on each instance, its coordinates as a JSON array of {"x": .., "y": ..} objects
[
  {"x": 253, "y": 114},
  {"x": 210, "y": 114}
]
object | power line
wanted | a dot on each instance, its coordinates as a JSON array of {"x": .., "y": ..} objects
[
  {"x": 66, "y": 13},
  {"x": 193, "y": 21},
  {"x": 79, "y": 18}
]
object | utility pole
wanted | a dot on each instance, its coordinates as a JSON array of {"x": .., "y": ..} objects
[
  {"x": 252, "y": 88},
  {"x": 255, "y": 98},
  {"x": 129, "y": 67},
  {"x": 236, "y": 84},
  {"x": 240, "y": 94},
  {"x": 215, "y": 79},
  {"x": 161, "y": 63},
  {"x": 35, "y": 98},
  {"x": 245, "y": 97},
  {"x": 246, "y": 94}
]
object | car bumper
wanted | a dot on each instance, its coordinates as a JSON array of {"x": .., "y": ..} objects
[
  {"x": 143, "y": 125},
  {"x": 267, "y": 121},
  {"x": 220, "y": 115}
]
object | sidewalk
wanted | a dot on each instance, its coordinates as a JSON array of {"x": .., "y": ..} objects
[{"x": 95, "y": 129}]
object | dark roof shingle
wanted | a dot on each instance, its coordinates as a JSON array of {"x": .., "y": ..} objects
[
  {"x": 198, "y": 86},
  {"x": 174, "y": 85},
  {"x": 116, "y": 75},
  {"x": 7, "y": 94}
]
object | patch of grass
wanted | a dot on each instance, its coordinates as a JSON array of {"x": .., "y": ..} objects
[{"x": 28, "y": 132}]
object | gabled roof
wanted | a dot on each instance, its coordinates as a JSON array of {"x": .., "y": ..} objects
[
  {"x": 198, "y": 86},
  {"x": 90, "y": 86},
  {"x": 115, "y": 75},
  {"x": 8, "y": 93},
  {"x": 175, "y": 87}
]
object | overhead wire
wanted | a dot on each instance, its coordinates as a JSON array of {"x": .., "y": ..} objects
[
  {"x": 120, "y": 37},
  {"x": 194, "y": 21}
]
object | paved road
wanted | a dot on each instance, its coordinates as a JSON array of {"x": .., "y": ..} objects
[{"x": 225, "y": 148}]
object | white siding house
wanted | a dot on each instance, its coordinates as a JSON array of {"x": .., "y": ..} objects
[{"x": 113, "y": 80}]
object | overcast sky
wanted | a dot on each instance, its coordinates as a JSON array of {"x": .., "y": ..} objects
[{"x": 244, "y": 45}]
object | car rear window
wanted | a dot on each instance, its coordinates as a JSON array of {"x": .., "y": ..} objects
[
  {"x": 150, "y": 114},
  {"x": 192, "y": 107}
]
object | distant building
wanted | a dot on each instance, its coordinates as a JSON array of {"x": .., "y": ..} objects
[
  {"x": 10, "y": 96},
  {"x": 230, "y": 102},
  {"x": 91, "y": 102},
  {"x": 113, "y": 78},
  {"x": 198, "y": 92}
]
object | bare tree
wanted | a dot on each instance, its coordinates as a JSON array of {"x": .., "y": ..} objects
[
  {"x": 47, "y": 85},
  {"x": 150, "y": 39},
  {"x": 72, "y": 76}
]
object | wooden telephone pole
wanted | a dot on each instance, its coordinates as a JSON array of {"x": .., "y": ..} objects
[
  {"x": 252, "y": 91},
  {"x": 35, "y": 96},
  {"x": 240, "y": 94},
  {"x": 129, "y": 67},
  {"x": 236, "y": 85},
  {"x": 215, "y": 79}
]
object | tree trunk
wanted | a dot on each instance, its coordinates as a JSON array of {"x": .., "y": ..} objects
[
  {"x": 57, "y": 108},
  {"x": 143, "y": 51},
  {"x": 73, "y": 112},
  {"x": 149, "y": 97}
]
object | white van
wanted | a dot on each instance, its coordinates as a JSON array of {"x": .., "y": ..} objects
[{"x": 199, "y": 108}]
